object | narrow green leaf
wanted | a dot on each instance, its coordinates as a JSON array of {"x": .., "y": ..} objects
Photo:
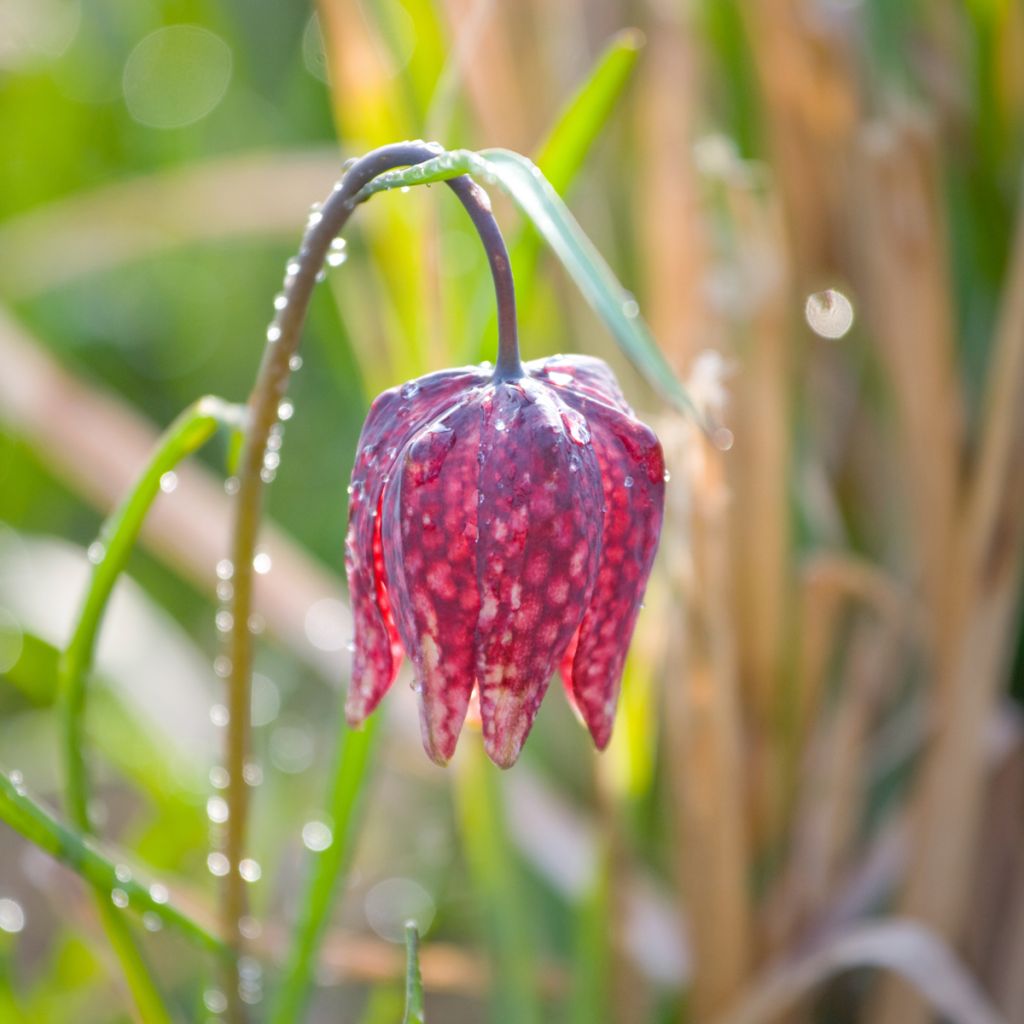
[
  {"x": 562, "y": 153},
  {"x": 37, "y": 825}
]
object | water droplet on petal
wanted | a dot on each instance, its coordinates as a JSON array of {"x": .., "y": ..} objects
[
  {"x": 628, "y": 481},
  {"x": 411, "y": 389}
]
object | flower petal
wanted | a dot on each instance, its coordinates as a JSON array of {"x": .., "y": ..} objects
[
  {"x": 430, "y": 536},
  {"x": 394, "y": 416},
  {"x": 581, "y": 375},
  {"x": 632, "y": 470},
  {"x": 540, "y": 489}
]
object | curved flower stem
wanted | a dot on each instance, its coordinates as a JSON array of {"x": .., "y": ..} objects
[
  {"x": 188, "y": 432},
  {"x": 283, "y": 338}
]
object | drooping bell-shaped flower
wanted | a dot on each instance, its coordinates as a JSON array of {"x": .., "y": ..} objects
[{"x": 501, "y": 527}]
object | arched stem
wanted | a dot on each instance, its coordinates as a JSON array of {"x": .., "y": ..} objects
[{"x": 283, "y": 337}]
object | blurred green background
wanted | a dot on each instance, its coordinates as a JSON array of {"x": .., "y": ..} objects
[{"x": 816, "y": 204}]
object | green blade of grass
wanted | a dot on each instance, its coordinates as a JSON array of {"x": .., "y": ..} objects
[
  {"x": 31, "y": 820},
  {"x": 347, "y": 787}
]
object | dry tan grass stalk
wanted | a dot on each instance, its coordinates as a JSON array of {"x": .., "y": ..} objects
[
  {"x": 493, "y": 79},
  {"x": 904, "y": 267},
  {"x": 810, "y": 109},
  {"x": 979, "y": 633},
  {"x": 673, "y": 246},
  {"x": 704, "y": 734}
]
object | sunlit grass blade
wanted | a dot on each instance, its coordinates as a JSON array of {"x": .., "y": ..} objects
[
  {"x": 525, "y": 183},
  {"x": 495, "y": 878},
  {"x": 584, "y": 117},
  {"x": 413, "y": 979},
  {"x": 347, "y": 786},
  {"x": 117, "y": 538},
  {"x": 38, "y": 826}
]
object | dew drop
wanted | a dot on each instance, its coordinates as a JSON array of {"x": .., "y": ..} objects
[
  {"x": 404, "y": 189},
  {"x": 829, "y": 313},
  {"x": 222, "y": 666},
  {"x": 666, "y": 476},
  {"x": 252, "y": 773},
  {"x": 271, "y": 460},
  {"x": 273, "y": 333},
  {"x": 285, "y": 410},
  {"x": 335, "y": 259},
  {"x": 224, "y": 620},
  {"x": 12, "y": 917},
  {"x": 295, "y": 363},
  {"x": 292, "y": 268},
  {"x": 96, "y": 551},
  {"x": 219, "y": 715},
  {"x": 628, "y": 481},
  {"x": 630, "y": 309},
  {"x": 722, "y": 438},
  {"x": 250, "y": 869},
  {"x": 314, "y": 218},
  {"x": 168, "y": 482},
  {"x": 225, "y": 590},
  {"x": 17, "y": 781},
  {"x": 250, "y": 927},
  {"x": 261, "y": 563},
  {"x": 151, "y": 922},
  {"x": 219, "y": 777},
  {"x": 267, "y": 475},
  {"x": 217, "y": 810},
  {"x": 158, "y": 893},
  {"x": 225, "y": 570},
  {"x": 123, "y": 873},
  {"x": 215, "y": 1001},
  {"x": 316, "y": 836},
  {"x": 119, "y": 898},
  {"x": 499, "y": 425},
  {"x": 217, "y": 864},
  {"x": 562, "y": 379},
  {"x": 231, "y": 485},
  {"x": 280, "y": 301},
  {"x": 410, "y": 390}
]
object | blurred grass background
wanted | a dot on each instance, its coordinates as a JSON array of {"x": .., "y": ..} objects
[{"x": 818, "y": 774}]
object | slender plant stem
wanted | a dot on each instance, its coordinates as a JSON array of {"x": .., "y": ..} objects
[
  {"x": 413, "y": 978},
  {"x": 117, "y": 538},
  {"x": 70, "y": 847},
  {"x": 283, "y": 337},
  {"x": 495, "y": 876}
]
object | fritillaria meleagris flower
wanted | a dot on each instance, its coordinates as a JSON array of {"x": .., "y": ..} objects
[{"x": 501, "y": 530}]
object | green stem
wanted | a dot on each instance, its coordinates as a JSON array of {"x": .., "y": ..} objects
[
  {"x": 38, "y": 826},
  {"x": 413, "y": 979},
  {"x": 343, "y": 805},
  {"x": 117, "y": 539},
  {"x": 495, "y": 876}
]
